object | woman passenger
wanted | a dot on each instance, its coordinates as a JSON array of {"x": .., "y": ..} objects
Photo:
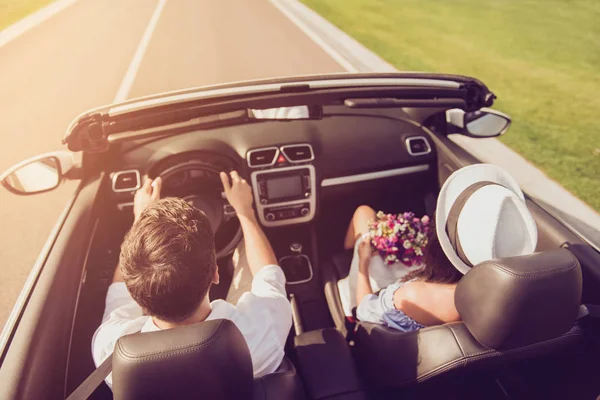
[{"x": 480, "y": 215}]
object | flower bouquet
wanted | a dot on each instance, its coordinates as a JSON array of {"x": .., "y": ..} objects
[{"x": 401, "y": 237}]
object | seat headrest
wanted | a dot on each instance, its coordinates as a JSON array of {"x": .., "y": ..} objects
[
  {"x": 518, "y": 301},
  {"x": 205, "y": 360}
]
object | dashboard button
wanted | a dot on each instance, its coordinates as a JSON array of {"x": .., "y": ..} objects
[
  {"x": 270, "y": 217},
  {"x": 306, "y": 182},
  {"x": 261, "y": 188},
  {"x": 304, "y": 212}
]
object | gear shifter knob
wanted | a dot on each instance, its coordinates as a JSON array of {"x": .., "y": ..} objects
[{"x": 296, "y": 248}]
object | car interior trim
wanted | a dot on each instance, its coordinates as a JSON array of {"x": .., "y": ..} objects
[
  {"x": 130, "y": 189},
  {"x": 82, "y": 283},
  {"x": 420, "y": 153},
  {"x": 139, "y": 133},
  {"x": 124, "y": 206},
  {"x": 343, "y": 180},
  {"x": 296, "y": 320},
  {"x": 578, "y": 232},
  {"x": 291, "y": 146},
  {"x": 269, "y": 88},
  {"x": 310, "y": 268},
  {"x": 250, "y": 152}
]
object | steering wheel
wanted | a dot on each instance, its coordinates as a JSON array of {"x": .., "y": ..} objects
[{"x": 209, "y": 199}]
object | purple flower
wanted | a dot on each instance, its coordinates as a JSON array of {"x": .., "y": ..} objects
[{"x": 388, "y": 231}]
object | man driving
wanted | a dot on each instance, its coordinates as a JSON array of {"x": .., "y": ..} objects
[{"x": 167, "y": 266}]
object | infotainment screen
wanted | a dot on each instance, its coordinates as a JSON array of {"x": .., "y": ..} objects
[{"x": 285, "y": 187}]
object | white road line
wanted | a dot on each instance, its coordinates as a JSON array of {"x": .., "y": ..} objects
[
  {"x": 343, "y": 62},
  {"x": 129, "y": 77},
  {"x": 15, "y": 30}
]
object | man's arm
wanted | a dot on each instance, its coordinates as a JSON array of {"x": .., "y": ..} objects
[
  {"x": 147, "y": 195},
  {"x": 258, "y": 249}
]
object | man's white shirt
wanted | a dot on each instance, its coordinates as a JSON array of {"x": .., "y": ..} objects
[{"x": 263, "y": 315}]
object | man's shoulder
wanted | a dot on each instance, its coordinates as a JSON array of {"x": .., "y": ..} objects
[{"x": 113, "y": 328}]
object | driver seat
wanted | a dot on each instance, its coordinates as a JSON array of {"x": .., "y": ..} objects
[{"x": 205, "y": 360}]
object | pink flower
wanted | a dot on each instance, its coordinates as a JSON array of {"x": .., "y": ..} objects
[{"x": 399, "y": 237}]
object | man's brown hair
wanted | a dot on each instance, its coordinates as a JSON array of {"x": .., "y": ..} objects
[{"x": 168, "y": 259}]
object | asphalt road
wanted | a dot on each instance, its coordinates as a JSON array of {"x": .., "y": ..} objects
[{"x": 78, "y": 59}]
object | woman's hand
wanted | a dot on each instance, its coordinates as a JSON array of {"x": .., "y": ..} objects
[{"x": 146, "y": 196}]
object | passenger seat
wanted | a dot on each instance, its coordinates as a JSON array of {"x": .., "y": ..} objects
[{"x": 512, "y": 308}]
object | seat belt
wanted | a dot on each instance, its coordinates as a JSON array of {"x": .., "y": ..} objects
[{"x": 92, "y": 382}]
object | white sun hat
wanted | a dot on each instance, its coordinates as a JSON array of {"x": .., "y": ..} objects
[{"x": 481, "y": 215}]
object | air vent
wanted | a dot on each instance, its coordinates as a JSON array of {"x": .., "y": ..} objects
[
  {"x": 296, "y": 153},
  {"x": 126, "y": 181},
  {"x": 262, "y": 157},
  {"x": 417, "y": 146}
]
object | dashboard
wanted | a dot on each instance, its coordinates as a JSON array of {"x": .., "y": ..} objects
[{"x": 289, "y": 164}]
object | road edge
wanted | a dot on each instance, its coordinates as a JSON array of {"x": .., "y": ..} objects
[
  {"x": 31, "y": 21},
  {"x": 534, "y": 181}
]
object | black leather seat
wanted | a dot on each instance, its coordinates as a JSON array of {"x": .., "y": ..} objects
[
  {"x": 513, "y": 308},
  {"x": 205, "y": 360}
]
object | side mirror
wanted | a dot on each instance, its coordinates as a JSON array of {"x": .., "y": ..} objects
[
  {"x": 483, "y": 123},
  {"x": 38, "y": 174}
]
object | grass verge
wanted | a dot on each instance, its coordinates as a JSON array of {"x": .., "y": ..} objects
[
  {"x": 540, "y": 57},
  {"x": 12, "y": 11}
]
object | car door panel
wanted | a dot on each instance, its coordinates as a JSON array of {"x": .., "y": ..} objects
[
  {"x": 590, "y": 268},
  {"x": 34, "y": 363}
]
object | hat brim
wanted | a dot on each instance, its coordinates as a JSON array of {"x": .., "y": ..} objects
[{"x": 453, "y": 187}]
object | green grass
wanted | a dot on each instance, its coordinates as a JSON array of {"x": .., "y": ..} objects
[
  {"x": 13, "y": 10},
  {"x": 540, "y": 57}
]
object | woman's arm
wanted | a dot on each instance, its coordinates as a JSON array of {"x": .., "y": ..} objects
[
  {"x": 427, "y": 303},
  {"x": 358, "y": 225}
]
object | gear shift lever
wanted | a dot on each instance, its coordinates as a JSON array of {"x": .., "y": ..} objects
[
  {"x": 296, "y": 248},
  {"x": 297, "y": 266}
]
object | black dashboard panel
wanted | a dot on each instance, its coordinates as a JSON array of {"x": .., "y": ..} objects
[{"x": 343, "y": 145}]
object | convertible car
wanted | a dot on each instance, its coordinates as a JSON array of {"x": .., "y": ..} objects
[{"x": 313, "y": 148}]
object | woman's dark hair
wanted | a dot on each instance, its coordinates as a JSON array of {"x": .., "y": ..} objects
[{"x": 437, "y": 268}]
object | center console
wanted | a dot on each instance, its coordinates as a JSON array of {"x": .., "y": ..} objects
[{"x": 284, "y": 193}]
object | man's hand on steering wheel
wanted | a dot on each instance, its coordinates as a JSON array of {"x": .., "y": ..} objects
[
  {"x": 146, "y": 196},
  {"x": 238, "y": 193}
]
